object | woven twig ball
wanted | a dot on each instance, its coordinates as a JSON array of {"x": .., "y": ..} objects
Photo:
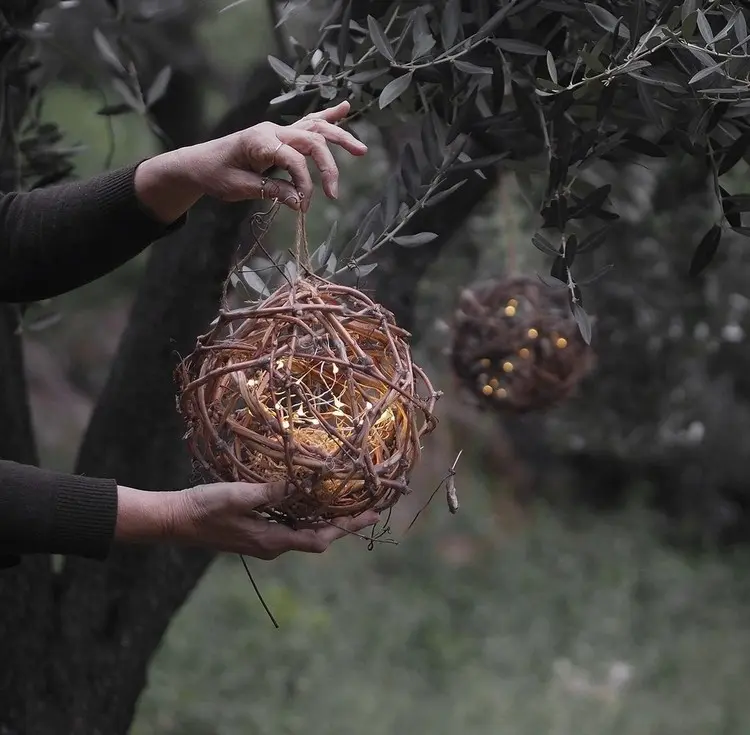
[
  {"x": 315, "y": 385},
  {"x": 516, "y": 346}
]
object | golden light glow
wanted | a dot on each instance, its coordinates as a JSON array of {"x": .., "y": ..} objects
[
  {"x": 524, "y": 352},
  {"x": 327, "y": 399},
  {"x": 501, "y": 393},
  {"x": 533, "y": 334},
  {"x": 508, "y": 367},
  {"x": 494, "y": 382},
  {"x": 485, "y": 362},
  {"x": 512, "y": 302},
  {"x": 510, "y": 311},
  {"x": 561, "y": 342},
  {"x": 487, "y": 390}
]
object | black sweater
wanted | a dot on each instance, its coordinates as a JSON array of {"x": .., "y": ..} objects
[{"x": 53, "y": 241}]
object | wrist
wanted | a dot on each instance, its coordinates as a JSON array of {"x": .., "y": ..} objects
[
  {"x": 144, "y": 516},
  {"x": 165, "y": 187}
]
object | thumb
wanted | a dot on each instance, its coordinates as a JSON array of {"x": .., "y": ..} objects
[
  {"x": 238, "y": 185},
  {"x": 264, "y": 494}
]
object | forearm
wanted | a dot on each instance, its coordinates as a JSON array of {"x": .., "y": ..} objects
[
  {"x": 43, "y": 512},
  {"x": 55, "y": 513},
  {"x": 56, "y": 239},
  {"x": 144, "y": 516},
  {"x": 166, "y": 186}
]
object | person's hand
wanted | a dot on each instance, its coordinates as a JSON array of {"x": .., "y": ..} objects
[
  {"x": 224, "y": 517},
  {"x": 234, "y": 167}
]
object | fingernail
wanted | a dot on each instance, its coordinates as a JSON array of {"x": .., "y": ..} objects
[{"x": 335, "y": 190}]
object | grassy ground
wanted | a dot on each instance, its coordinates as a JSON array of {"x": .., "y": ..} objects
[{"x": 587, "y": 629}]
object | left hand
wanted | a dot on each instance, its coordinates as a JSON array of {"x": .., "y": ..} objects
[
  {"x": 232, "y": 168},
  {"x": 222, "y": 516}
]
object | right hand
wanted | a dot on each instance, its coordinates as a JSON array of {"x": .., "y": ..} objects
[
  {"x": 223, "y": 517},
  {"x": 234, "y": 168}
]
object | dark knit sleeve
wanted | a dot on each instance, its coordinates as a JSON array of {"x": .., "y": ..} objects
[
  {"x": 54, "y": 513},
  {"x": 56, "y": 239}
]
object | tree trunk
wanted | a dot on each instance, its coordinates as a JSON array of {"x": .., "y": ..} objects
[
  {"x": 26, "y": 590},
  {"x": 113, "y": 615}
]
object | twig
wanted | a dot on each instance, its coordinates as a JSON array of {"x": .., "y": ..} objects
[
  {"x": 257, "y": 592},
  {"x": 450, "y": 474}
]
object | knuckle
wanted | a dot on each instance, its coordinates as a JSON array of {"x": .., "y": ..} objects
[{"x": 317, "y": 139}]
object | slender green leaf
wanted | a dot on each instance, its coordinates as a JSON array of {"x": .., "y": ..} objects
[
  {"x": 704, "y": 27},
  {"x": 450, "y": 23},
  {"x": 253, "y": 281},
  {"x": 159, "y": 86},
  {"x": 516, "y": 46},
  {"x": 705, "y": 251},
  {"x": 551, "y": 67},
  {"x": 283, "y": 70},
  {"x": 583, "y": 322},
  {"x": 606, "y": 20},
  {"x": 394, "y": 89},
  {"x": 107, "y": 52},
  {"x": 410, "y": 241},
  {"x": 344, "y": 39},
  {"x": 443, "y": 195},
  {"x": 470, "y": 68},
  {"x": 541, "y": 243},
  {"x": 379, "y": 39},
  {"x": 705, "y": 72}
]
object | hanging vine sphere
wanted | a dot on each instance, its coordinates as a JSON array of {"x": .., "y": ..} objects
[
  {"x": 315, "y": 385},
  {"x": 516, "y": 346}
]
